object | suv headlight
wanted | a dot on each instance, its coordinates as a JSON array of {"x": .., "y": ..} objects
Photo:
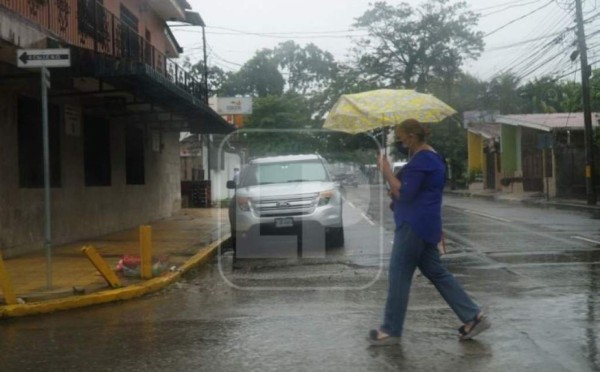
[
  {"x": 325, "y": 197},
  {"x": 243, "y": 203}
]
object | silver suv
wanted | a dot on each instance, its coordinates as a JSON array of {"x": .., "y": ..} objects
[{"x": 283, "y": 195}]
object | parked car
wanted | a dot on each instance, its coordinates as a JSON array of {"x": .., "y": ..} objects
[
  {"x": 398, "y": 165},
  {"x": 286, "y": 194},
  {"x": 349, "y": 179}
]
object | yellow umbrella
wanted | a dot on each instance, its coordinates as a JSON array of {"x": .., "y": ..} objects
[{"x": 361, "y": 112}]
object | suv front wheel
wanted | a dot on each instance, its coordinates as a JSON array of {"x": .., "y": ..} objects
[{"x": 334, "y": 237}]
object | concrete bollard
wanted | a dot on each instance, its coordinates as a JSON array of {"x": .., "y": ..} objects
[{"x": 146, "y": 252}]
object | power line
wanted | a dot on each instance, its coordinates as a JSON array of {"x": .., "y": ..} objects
[
  {"x": 499, "y": 5},
  {"x": 508, "y": 46},
  {"x": 518, "y": 19},
  {"x": 541, "y": 46},
  {"x": 520, "y": 4},
  {"x": 290, "y": 32},
  {"x": 282, "y": 36}
]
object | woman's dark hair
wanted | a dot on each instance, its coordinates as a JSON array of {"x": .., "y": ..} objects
[{"x": 412, "y": 126}]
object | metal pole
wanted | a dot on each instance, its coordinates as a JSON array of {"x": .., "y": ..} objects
[
  {"x": 45, "y": 79},
  {"x": 587, "y": 110},
  {"x": 205, "y": 67}
]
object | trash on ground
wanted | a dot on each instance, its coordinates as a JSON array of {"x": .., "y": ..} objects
[{"x": 129, "y": 265}]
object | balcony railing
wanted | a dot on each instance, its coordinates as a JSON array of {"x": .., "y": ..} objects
[{"x": 88, "y": 24}]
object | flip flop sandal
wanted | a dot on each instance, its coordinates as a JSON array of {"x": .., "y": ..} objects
[
  {"x": 479, "y": 325},
  {"x": 375, "y": 340}
]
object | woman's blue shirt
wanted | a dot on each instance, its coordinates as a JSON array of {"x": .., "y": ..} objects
[{"x": 420, "y": 203}]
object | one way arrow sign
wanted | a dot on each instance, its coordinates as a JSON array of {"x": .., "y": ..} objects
[{"x": 34, "y": 58}]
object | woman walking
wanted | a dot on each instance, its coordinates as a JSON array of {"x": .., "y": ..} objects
[{"x": 417, "y": 201}]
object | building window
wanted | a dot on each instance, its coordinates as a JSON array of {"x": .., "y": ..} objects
[
  {"x": 31, "y": 145},
  {"x": 134, "y": 156},
  {"x": 91, "y": 19},
  {"x": 129, "y": 34},
  {"x": 96, "y": 151}
]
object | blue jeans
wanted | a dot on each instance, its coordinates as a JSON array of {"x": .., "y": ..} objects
[{"x": 408, "y": 253}]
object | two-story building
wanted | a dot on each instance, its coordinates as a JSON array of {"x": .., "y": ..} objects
[{"x": 114, "y": 118}]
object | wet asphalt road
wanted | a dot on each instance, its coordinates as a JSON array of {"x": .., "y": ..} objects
[{"x": 536, "y": 270}]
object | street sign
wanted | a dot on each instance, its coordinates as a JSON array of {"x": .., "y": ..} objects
[
  {"x": 232, "y": 105},
  {"x": 34, "y": 58}
]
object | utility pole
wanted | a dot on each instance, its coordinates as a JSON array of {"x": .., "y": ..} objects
[
  {"x": 587, "y": 110},
  {"x": 205, "y": 76}
]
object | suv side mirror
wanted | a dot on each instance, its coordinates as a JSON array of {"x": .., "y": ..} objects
[{"x": 231, "y": 185}]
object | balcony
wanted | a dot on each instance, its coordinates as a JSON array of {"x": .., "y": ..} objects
[
  {"x": 171, "y": 10},
  {"x": 105, "y": 48}
]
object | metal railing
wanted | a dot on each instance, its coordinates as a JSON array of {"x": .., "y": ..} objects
[{"x": 88, "y": 24}]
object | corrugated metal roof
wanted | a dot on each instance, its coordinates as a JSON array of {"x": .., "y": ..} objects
[
  {"x": 486, "y": 130},
  {"x": 549, "y": 122}
]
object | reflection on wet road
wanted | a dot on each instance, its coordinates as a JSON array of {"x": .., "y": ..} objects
[{"x": 538, "y": 281}]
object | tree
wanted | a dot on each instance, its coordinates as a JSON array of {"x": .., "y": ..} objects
[
  {"x": 259, "y": 77},
  {"x": 280, "y": 124},
  {"x": 450, "y": 140},
  {"x": 466, "y": 93},
  {"x": 407, "y": 46},
  {"x": 595, "y": 90},
  {"x": 502, "y": 95},
  {"x": 308, "y": 69},
  {"x": 542, "y": 95},
  {"x": 216, "y": 76},
  {"x": 572, "y": 100}
]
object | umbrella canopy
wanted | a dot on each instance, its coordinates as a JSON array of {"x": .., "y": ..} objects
[{"x": 361, "y": 112}]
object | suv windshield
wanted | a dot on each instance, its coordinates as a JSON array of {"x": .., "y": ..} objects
[{"x": 298, "y": 171}]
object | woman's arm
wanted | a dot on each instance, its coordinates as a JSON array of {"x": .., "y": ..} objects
[{"x": 388, "y": 175}]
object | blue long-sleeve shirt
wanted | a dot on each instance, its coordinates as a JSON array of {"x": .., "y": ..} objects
[{"x": 420, "y": 203}]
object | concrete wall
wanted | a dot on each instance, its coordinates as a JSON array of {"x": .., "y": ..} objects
[
  {"x": 511, "y": 151},
  {"x": 80, "y": 212},
  {"x": 220, "y": 177}
]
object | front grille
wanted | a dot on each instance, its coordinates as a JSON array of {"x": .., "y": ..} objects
[{"x": 285, "y": 205}]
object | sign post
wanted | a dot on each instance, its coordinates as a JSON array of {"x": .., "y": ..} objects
[
  {"x": 544, "y": 143},
  {"x": 45, "y": 84},
  {"x": 44, "y": 58}
]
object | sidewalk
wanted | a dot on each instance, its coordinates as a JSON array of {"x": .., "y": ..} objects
[
  {"x": 531, "y": 198},
  {"x": 189, "y": 238},
  {"x": 186, "y": 239}
]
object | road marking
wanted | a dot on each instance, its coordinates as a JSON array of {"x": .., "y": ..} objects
[
  {"x": 368, "y": 219},
  {"x": 486, "y": 215},
  {"x": 585, "y": 239},
  {"x": 352, "y": 205}
]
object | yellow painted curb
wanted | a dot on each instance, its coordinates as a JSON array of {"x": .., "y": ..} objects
[{"x": 111, "y": 295}]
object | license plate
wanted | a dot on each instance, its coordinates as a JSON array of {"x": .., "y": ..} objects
[{"x": 284, "y": 222}]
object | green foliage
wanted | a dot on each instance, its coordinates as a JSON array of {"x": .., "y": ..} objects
[
  {"x": 475, "y": 175},
  {"x": 450, "y": 140},
  {"x": 287, "y": 111},
  {"x": 407, "y": 46},
  {"x": 501, "y": 94},
  {"x": 547, "y": 95},
  {"x": 308, "y": 69},
  {"x": 216, "y": 76},
  {"x": 259, "y": 77},
  {"x": 465, "y": 94},
  {"x": 595, "y": 90},
  {"x": 422, "y": 47}
]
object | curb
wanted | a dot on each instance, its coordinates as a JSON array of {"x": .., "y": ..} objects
[
  {"x": 541, "y": 202},
  {"x": 112, "y": 295}
]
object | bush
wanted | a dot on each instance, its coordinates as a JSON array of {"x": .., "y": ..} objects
[{"x": 224, "y": 203}]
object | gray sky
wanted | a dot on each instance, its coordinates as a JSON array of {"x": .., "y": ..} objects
[{"x": 236, "y": 29}]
